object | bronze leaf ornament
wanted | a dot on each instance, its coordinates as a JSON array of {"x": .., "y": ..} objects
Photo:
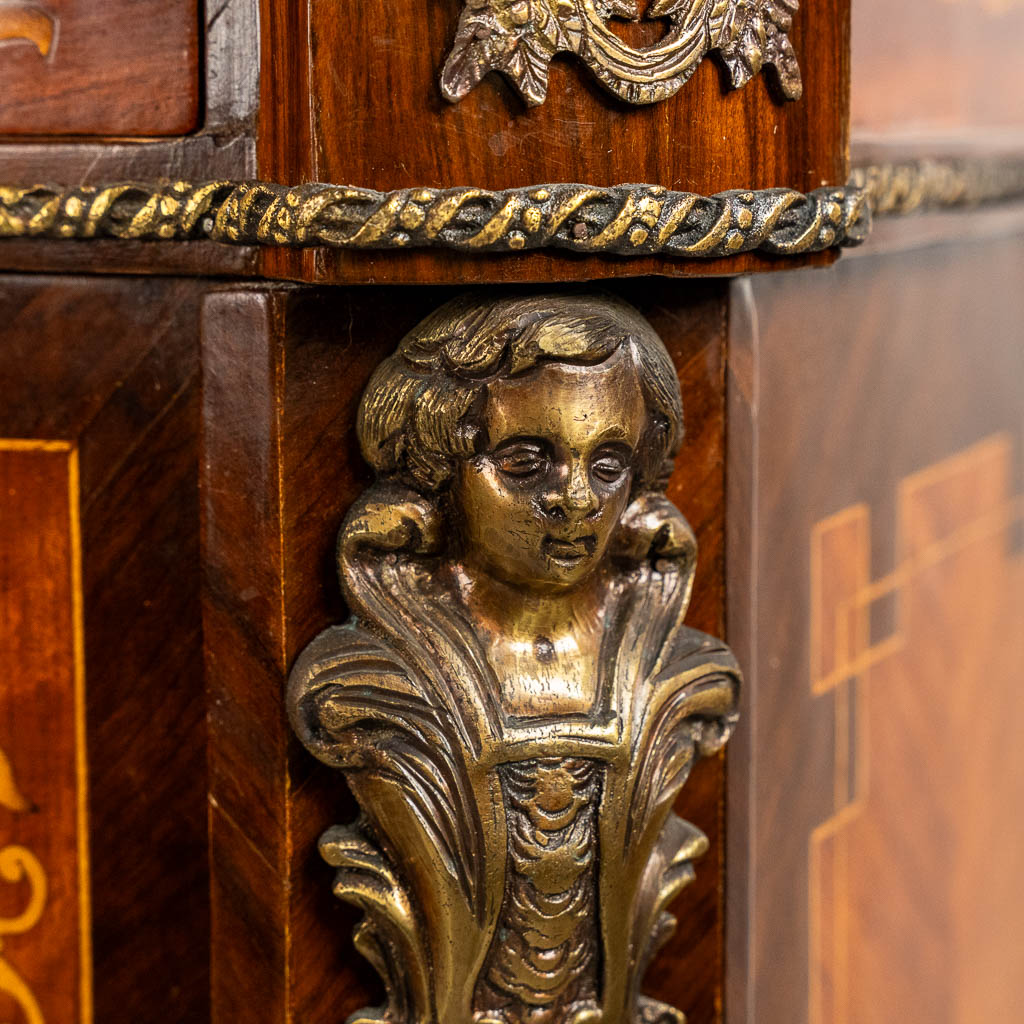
[
  {"x": 519, "y": 38},
  {"x": 515, "y": 701}
]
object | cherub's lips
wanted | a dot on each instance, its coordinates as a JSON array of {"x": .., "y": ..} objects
[{"x": 569, "y": 551}]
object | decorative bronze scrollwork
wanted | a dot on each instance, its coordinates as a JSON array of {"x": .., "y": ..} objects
[
  {"x": 515, "y": 701},
  {"x": 627, "y": 220},
  {"x": 520, "y": 37}
]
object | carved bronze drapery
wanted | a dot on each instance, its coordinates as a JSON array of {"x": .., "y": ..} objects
[
  {"x": 519, "y": 38},
  {"x": 515, "y": 702}
]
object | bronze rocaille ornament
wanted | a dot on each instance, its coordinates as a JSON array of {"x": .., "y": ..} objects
[
  {"x": 515, "y": 701},
  {"x": 519, "y": 38}
]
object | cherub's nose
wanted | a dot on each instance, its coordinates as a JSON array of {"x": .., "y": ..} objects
[{"x": 575, "y": 497}]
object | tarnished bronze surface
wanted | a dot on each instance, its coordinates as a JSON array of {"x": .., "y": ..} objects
[
  {"x": 519, "y": 38},
  {"x": 624, "y": 220},
  {"x": 515, "y": 702},
  {"x": 628, "y": 220},
  {"x": 902, "y": 188}
]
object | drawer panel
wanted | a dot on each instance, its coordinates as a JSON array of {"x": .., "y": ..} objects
[{"x": 99, "y": 67}]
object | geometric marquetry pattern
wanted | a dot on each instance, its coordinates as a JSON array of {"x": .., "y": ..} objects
[{"x": 923, "y": 669}]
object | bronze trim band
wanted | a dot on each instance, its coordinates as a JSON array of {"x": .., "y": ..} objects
[
  {"x": 624, "y": 220},
  {"x": 933, "y": 184}
]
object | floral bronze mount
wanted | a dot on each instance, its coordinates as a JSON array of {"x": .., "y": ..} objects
[
  {"x": 515, "y": 702},
  {"x": 519, "y": 38}
]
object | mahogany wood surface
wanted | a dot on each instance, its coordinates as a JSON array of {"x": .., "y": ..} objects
[
  {"x": 365, "y": 106},
  {"x": 113, "y": 67},
  {"x": 362, "y": 106},
  {"x": 311, "y": 70},
  {"x": 284, "y": 371},
  {"x": 222, "y": 147},
  {"x": 875, "y": 466},
  {"x": 110, "y": 368}
]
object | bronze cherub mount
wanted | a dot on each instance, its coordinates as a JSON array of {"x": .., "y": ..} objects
[
  {"x": 519, "y": 38},
  {"x": 515, "y": 702}
]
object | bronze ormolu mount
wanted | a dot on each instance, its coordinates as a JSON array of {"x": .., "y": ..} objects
[
  {"x": 515, "y": 701},
  {"x": 519, "y": 39}
]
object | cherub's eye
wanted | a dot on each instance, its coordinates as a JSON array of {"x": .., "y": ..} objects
[
  {"x": 522, "y": 460},
  {"x": 610, "y": 466}
]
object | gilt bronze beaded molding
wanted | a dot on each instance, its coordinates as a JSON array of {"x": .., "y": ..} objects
[{"x": 624, "y": 220}]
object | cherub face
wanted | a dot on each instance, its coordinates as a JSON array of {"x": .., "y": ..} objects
[{"x": 538, "y": 508}]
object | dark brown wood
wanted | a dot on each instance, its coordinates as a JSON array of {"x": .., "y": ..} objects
[
  {"x": 689, "y": 973},
  {"x": 111, "y": 369},
  {"x": 224, "y": 147},
  {"x": 423, "y": 266},
  {"x": 270, "y": 933},
  {"x": 363, "y": 107},
  {"x": 875, "y": 417},
  {"x": 307, "y": 131},
  {"x": 284, "y": 373},
  {"x": 114, "y": 67},
  {"x": 374, "y": 112}
]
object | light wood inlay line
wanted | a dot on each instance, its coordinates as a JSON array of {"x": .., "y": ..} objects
[{"x": 81, "y": 758}]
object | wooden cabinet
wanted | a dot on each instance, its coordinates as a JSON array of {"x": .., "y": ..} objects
[
  {"x": 103, "y": 792},
  {"x": 182, "y": 364},
  {"x": 364, "y": 119},
  {"x": 875, "y": 588}
]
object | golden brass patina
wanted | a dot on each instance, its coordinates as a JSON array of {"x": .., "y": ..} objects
[
  {"x": 515, "y": 702},
  {"x": 627, "y": 220},
  {"x": 519, "y": 38}
]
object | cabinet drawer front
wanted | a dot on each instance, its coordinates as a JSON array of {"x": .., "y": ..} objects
[{"x": 99, "y": 67}]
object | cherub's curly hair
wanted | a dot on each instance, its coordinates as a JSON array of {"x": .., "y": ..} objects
[{"x": 421, "y": 412}]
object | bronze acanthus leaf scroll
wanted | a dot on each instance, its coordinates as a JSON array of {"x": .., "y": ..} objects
[
  {"x": 519, "y": 38},
  {"x": 515, "y": 701}
]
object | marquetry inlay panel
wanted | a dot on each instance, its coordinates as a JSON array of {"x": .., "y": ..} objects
[
  {"x": 45, "y": 971},
  {"x": 923, "y": 667}
]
